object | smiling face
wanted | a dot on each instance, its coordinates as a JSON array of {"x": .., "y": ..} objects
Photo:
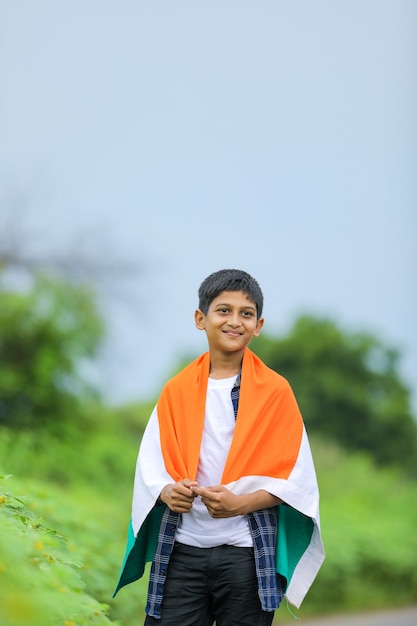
[{"x": 230, "y": 322}]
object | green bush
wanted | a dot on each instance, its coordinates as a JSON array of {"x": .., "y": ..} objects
[
  {"x": 368, "y": 522},
  {"x": 369, "y": 519},
  {"x": 100, "y": 448},
  {"x": 40, "y": 577}
]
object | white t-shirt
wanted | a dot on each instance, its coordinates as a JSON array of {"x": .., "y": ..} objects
[{"x": 198, "y": 528}]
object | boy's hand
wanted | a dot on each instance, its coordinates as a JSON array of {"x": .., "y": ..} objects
[
  {"x": 220, "y": 502},
  {"x": 179, "y": 497}
]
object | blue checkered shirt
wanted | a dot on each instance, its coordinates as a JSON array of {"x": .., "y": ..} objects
[{"x": 263, "y": 529}]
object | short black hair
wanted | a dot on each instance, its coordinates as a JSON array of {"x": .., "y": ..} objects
[{"x": 229, "y": 280}]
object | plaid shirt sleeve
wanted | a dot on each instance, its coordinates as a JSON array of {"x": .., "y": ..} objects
[
  {"x": 271, "y": 586},
  {"x": 166, "y": 538}
]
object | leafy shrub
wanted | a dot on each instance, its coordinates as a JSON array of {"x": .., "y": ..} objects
[
  {"x": 100, "y": 448},
  {"x": 369, "y": 519},
  {"x": 368, "y": 522},
  {"x": 40, "y": 580}
]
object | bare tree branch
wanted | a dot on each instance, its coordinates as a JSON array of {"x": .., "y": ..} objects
[{"x": 83, "y": 258}]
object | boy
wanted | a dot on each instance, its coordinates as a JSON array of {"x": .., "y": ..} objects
[{"x": 225, "y": 501}]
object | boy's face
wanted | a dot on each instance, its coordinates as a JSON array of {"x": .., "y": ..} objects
[{"x": 230, "y": 322}]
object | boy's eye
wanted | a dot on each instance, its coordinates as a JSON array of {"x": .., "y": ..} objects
[{"x": 244, "y": 313}]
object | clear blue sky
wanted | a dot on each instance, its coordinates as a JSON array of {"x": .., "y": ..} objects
[{"x": 277, "y": 137}]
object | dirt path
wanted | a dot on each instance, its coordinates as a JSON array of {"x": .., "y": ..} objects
[{"x": 398, "y": 617}]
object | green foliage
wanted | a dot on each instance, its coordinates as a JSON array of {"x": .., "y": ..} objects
[
  {"x": 103, "y": 451},
  {"x": 45, "y": 335},
  {"x": 83, "y": 487},
  {"x": 368, "y": 522},
  {"x": 348, "y": 388},
  {"x": 40, "y": 580}
]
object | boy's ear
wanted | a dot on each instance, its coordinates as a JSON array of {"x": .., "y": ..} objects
[
  {"x": 259, "y": 325},
  {"x": 199, "y": 318}
]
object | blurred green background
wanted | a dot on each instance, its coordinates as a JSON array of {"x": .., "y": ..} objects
[{"x": 67, "y": 461}]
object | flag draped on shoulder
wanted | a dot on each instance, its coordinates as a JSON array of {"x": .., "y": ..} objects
[{"x": 269, "y": 450}]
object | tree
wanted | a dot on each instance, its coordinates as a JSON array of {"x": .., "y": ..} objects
[
  {"x": 52, "y": 327},
  {"x": 46, "y": 334},
  {"x": 348, "y": 388}
]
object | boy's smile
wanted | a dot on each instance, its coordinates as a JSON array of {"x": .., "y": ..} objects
[{"x": 230, "y": 323}]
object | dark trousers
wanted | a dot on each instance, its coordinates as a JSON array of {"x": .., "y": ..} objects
[{"x": 211, "y": 585}]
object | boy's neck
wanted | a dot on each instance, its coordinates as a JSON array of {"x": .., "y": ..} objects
[{"x": 225, "y": 367}]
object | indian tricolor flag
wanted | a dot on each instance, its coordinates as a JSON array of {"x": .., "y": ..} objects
[{"x": 270, "y": 450}]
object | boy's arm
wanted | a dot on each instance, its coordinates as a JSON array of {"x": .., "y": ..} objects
[{"x": 221, "y": 502}]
